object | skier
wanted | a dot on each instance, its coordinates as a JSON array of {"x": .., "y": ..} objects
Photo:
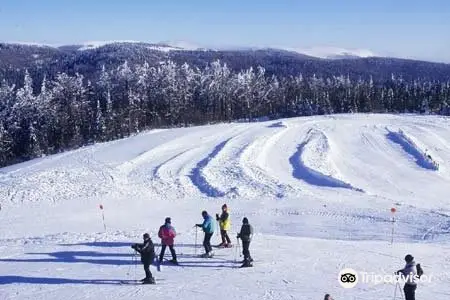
[
  {"x": 410, "y": 274},
  {"x": 147, "y": 251},
  {"x": 246, "y": 235},
  {"x": 224, "y": 224},
  {"x": 167, "y": 234},
  {"x": 208, "y": 229}
]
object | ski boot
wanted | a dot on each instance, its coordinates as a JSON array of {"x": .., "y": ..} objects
[
  {"x": 207, "y": 255},
  {"x": 247, "y": 264},
  {"x": 250, "y": 260},
  {"x": 150, "y": 280}
]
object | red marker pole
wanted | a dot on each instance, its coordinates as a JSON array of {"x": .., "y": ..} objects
[
  {"x": 103, "y": 216},
  {"x": 393, "y": 211}
]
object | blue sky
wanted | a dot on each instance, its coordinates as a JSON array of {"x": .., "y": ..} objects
[{"x": 414, "y": 29}]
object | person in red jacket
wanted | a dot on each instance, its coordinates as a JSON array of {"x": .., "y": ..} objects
[{"x": 167, "y": 235}]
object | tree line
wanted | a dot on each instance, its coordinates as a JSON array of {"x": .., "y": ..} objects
[{"x": 47, "y": 116}]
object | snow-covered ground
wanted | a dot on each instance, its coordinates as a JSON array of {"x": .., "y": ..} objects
[{"x": 317, "y": 190}]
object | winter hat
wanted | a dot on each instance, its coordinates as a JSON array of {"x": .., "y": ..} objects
[
  {"x": 224, "y": 206},
  {"x": 146, "y": 236},
  {"x": 167, "y": 220},
  {"x": 245, "y": 220},
  {"x": 409, "y": 258},
  {"x": 327, "y": 297},
  {"x": 204, "y": 213}
]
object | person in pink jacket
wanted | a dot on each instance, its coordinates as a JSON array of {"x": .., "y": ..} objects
[{"x": 167, "y": 235}]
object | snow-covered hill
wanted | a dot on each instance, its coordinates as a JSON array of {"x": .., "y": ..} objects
[
  {"x": 333, "y": 52},
  {"x": 325, "y": 52},
  {"x": 163, "y": 47},
  {"x": 318, "y": 191}
]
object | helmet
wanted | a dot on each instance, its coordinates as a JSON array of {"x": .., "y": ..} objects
[
  {"x": 204, "y": 213},
  {"x": 167, "y": 221},
  {"x": 224, "y": 206},
  {"x": 245, "y": 220},
  {"x": 146, "y": 236},
  {"x": 409, "y": 258}
]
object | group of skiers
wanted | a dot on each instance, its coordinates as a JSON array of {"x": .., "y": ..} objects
[{"x": 167, "y": 235}]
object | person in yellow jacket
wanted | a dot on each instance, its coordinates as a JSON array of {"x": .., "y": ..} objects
[{"x": 225, "y": 225}]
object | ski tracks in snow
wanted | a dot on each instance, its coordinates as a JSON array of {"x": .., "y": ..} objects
[
  {"x": 200, "y": 179},
  {"x": 254, "y": 158},
  {"x": 313, "y": 164},
  {"x": 231, "y": 166}
]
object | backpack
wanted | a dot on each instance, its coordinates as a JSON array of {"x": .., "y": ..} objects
[{"x": 419, "y": 270}]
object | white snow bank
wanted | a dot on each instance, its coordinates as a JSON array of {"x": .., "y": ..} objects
[
  {"x": 312, "y": 162},
  {"x": 410, "y": 145}
]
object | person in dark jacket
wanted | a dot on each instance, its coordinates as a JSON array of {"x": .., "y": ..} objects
[
  {"x": 410, "y": 274},
  {"x": 147, "y": 252},
  {"x": 246, "y": 235},
  {"x": 167, "y": 235}
]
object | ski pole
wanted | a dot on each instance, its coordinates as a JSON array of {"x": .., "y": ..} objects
[
  {"x": 131, "y": 265},
  {"x": 195, "y": 246},
  {"x": 395, "y": 291},
  {"x": 219, "y": 236},
  {"x": 236, "y": 250},
  {"x": 400, "y": 289},
  {"x": 239, "y": 247},
  {"x": 135, "y": 265}
]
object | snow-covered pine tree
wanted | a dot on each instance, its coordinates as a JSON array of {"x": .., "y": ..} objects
[{"x": 5, "y": 145}]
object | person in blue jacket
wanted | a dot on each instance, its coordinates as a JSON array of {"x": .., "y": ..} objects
[{"x": 208, "y": 229}]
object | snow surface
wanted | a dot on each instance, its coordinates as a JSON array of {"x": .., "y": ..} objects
[{"x": 318, "y": 191}]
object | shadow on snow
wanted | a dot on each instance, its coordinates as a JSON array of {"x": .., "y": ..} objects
[{"x": 51, "y": 280}]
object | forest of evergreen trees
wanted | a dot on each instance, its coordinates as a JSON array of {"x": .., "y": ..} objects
[{"x": 44, "y": 116}]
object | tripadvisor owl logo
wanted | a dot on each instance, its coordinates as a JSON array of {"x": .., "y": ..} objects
[{"x": 348, "y": 278}]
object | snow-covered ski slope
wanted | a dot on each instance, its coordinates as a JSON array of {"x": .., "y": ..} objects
[{"x": 318, "y": 191}]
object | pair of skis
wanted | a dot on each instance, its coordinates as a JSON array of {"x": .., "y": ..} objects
[
  {"x": 158, "y": 264},
  {"x": 135, "y": 282}
]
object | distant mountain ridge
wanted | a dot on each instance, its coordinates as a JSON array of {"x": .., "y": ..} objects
[
  {"x": 88, "y": 58},
  {"x": 165, "y": 46}
]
